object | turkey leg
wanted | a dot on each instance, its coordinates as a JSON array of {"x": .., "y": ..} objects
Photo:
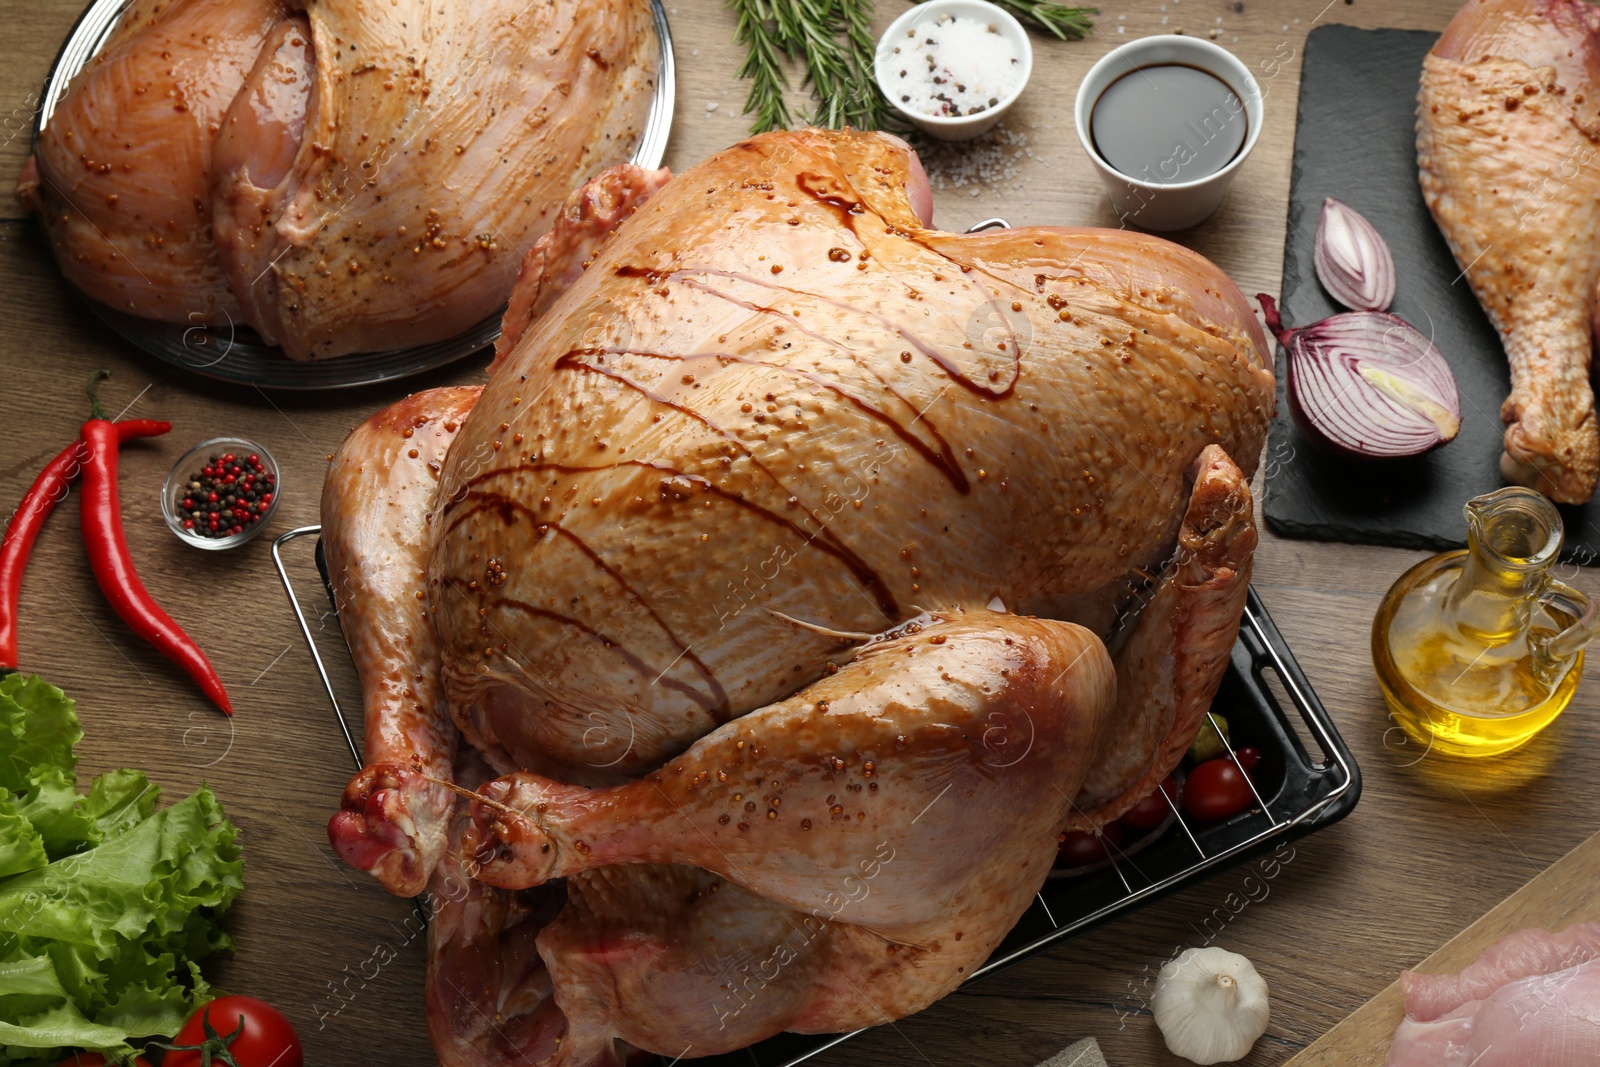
[
  {"x": 1508, "y": 130},
  {"x": 959, "y": 741},
  {"x": 375, "y": 509},
  {"x": 682, "y": 962}
]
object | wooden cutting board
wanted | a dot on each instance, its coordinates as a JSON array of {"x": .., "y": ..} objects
[{"x": 1566, "y": 893}]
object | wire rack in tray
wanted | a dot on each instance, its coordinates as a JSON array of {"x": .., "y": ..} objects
[{"x": 1306, "y": 780}]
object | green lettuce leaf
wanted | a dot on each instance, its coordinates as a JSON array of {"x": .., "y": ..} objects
[
  {"x": 38, "y": 728},
  {"x": 147, "y": 880},
  {"x": 45, "y": 1017},
  {"x": 117, "y": 802},
  {"x": 106, "y": 905},
  {"x": 51, "y": 805},
  {"x": 21, "y": 848}
]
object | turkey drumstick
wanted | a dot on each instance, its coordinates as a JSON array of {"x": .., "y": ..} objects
[
  {"x": 1508, "y": 134},
  {"x": 375, "y": 502},
  {"x": 910, "y": 742}
]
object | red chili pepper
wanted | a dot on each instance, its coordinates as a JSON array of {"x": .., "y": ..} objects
[
  {"x": 113, "y": 566},
  {"x": 52, "y": 485}
]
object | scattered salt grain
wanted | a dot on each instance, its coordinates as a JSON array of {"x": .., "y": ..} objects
[
  {"x": 711, "y": 105},
  {"x": 952, "y": 66},
  {"x": 995, "y": 161}
]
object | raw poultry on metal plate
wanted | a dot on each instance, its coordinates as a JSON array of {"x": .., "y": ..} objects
[
  {"x": 800, "y": 573},
  {"x": 341, "y": 175}
]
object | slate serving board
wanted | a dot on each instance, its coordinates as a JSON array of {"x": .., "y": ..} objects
[{"x": 1356, "y": 141}]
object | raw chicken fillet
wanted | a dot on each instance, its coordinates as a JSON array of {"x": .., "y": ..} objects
[
  {"x": 800, "y": 574},
  {"x": 1531, "y": 1000}
]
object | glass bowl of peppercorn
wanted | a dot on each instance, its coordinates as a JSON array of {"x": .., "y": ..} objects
[{"x": 221, "y": 493}]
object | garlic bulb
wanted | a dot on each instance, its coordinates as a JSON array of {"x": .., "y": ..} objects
[{"x": 1210, "y": 1005}]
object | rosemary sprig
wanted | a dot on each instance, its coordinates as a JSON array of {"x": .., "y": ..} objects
[
  {"x": 1067, "y": 23},
  {"x": 827, "y": 64},
  {"x": 833, "y": 41},
  {"x": 765, "y": 44},
  {"x": 872, "y": 110}
]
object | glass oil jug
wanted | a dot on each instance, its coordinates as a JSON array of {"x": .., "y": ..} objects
[{"x": 1478, "y": 650}]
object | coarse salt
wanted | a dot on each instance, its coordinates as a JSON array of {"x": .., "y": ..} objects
[
  {"x": 994, "y": 161},
  {"x": 952, "y": 65}
]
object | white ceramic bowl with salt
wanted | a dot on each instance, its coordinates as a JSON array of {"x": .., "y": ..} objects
[{"x": 1012, "y": 41}]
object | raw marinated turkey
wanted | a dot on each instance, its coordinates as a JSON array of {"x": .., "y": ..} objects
[
  {"x": 342, "y": 175},
  {"x": 801, "y": 573},
  {"x": 1531, "y": 1000},
  {"x": 1508, "y": 143}
]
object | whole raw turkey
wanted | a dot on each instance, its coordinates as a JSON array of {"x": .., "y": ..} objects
[{"x": 801, "y": 572}]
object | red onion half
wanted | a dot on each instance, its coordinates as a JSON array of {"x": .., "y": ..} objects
[
  {"x": 1368, "y": 384},
  {"x": 1352, "y": 260}
]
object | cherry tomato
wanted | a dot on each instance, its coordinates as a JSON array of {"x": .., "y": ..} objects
[
  {"x": 1249, "y": 758},
  {"x": 1215, "y": 790},
  {"x": 96, "y": 1059},
  {"x": 267, "y": 1039},
  {"x": 1153, "y": 810},
  {"x": 1079, "y": 848}
]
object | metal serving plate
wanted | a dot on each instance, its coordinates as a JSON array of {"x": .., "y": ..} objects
[
  {"x": 1307, "y": 779},
  {"x": 234, "y": 353}
]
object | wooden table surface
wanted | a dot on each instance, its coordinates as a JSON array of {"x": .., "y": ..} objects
[{"x": 1430, "y": 848}]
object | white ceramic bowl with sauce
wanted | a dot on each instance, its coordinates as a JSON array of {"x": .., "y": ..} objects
[
  {"x": 955, "y": 127},
  {"x": 1168, "y": 205}
]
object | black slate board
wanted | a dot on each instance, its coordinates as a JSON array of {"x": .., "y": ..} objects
[{"x": 1356, "y": 141}]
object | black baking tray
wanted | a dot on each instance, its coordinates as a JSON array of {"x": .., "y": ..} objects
[{"x": 1307, "y": 779}]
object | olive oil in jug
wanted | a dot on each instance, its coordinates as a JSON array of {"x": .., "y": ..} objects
[{"x": 1480, "y": 649}]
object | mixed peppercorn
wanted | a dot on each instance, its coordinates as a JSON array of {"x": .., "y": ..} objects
[{"x": 227, "y": 495}]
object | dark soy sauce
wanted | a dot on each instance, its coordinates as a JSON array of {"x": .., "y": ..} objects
[{"x": 1167, "y": 124}]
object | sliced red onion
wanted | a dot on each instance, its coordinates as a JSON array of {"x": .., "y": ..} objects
[
  {"x": 1368, "y": 384},
  {"x": 1352, "y": 259}
]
